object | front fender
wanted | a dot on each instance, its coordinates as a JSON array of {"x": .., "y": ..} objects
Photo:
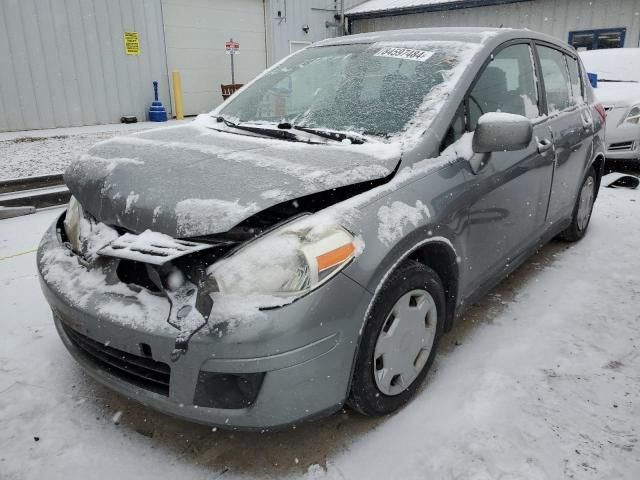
[{"x": 430, "y": 209}]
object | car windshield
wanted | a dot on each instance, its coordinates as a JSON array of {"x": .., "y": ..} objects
[{"x": 371, "y": 89}]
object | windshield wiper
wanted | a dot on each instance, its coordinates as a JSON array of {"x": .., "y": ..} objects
[
  {"x": 330, "y": 134},
  {"x": 616, "y": 81},
  {"x": 268, "y": 132}
]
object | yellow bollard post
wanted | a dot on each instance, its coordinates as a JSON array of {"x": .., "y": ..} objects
[{"x": 177, "y": 94}]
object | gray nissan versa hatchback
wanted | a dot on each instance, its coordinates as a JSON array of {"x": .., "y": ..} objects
[{"x": 306, "y": 244}]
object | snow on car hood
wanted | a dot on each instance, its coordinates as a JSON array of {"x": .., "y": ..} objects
[
  {"x": 191, "y": 180},
  {"x": 617, "y": 94},
  {"x": 622, "y": 64},
  {"x": 621, "y": 67}
]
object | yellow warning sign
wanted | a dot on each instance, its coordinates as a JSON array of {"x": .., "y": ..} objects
[{"x": 131, "y": 43}]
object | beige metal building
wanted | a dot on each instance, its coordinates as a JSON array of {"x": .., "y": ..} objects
[{"x": 586, "y": 24}]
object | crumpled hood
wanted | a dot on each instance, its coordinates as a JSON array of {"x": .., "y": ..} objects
[{"x": 190, "y": 180}]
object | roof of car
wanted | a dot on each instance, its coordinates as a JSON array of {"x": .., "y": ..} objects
[{"x": 460, "y": 34}]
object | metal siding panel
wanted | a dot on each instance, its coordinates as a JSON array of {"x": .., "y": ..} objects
[
  {"x": 554, "y": 17},
  {"x": 130, "y": 63},
  {"x": 108, "y": 47},
  {"x": 314, "y": 13},
  {"x": 62, "y": 62},
  {"x": 20, "y": 63},
  {"x": 63, "y": 40},
  {"x": 8, "y": 79},
  {"x": 37, "y": 64},
  {"x": 633, "y": 35},
  {"x": 4, "y": 125},
  {"x": 80, "y": 62},
  {"x": 95, "y": 73},
  {"x": 52, "y": 64}
]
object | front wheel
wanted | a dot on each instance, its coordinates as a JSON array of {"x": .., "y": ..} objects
[
  {"x": 582, "y": 209},
  {"x": 399, "y": 341}
]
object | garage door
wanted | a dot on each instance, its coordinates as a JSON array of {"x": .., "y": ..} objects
[{"x": 195, "y": 32}]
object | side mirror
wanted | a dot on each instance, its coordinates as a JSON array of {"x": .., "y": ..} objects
[{"x": 502, "y": 132}]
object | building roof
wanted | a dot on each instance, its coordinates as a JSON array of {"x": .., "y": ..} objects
[{"x": 378, "y": 8}]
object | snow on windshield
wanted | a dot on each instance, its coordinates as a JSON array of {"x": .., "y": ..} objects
[{"x": 385, "y": 89}]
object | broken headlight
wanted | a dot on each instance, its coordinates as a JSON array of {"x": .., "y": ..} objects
[
  {"x": 72, "y": 220},
  {"x": 288, "y": 262},
  {"x": 634, "y": 115},
  {"x": 84, "y": 234}
]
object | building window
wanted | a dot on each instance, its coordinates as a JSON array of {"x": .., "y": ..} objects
[{"x": 598, "y": 39}]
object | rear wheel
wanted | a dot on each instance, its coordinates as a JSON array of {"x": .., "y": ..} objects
[
  {"x": 582, "y": 209},
  {"x": 399, "y": 342}
]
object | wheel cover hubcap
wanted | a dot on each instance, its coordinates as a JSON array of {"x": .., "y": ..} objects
[
  {"x": 586, "y": 203},
  {"x": 405, "y": 342}
]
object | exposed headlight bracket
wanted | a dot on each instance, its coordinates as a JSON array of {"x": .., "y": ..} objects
[{"x": 190, "y": 306}]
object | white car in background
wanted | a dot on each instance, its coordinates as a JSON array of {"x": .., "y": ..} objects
[{"x": 618, "y": 91}]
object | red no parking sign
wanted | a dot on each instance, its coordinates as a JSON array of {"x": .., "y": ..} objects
[{"x": 232, "y": 48}]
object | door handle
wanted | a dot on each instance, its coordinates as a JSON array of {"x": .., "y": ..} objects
[{"x": 544, "y": 145}]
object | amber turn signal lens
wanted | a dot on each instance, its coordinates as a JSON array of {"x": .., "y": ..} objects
[{"x": 335, "y": 257}]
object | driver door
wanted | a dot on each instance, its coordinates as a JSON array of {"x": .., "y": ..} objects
[{"x": 511, "y": 192}]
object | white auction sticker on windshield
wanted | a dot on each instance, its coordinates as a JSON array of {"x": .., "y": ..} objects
[{"x": 405, "y": 54}]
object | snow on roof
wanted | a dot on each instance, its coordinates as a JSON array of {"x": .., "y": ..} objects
[{"x": 373, "y": 6}]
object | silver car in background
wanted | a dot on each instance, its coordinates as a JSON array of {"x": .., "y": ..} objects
[{"x": 618, "y": 91}]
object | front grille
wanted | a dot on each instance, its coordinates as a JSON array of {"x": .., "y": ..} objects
[
  {"x": 140, "y": 371},
  {"x": 621, "y": 147}
]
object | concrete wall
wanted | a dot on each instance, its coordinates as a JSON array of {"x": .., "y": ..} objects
[
  {"x": 63, "y": 63},
  {"x": 196, "y": 31},
  {"x": 554, "y": 17}
]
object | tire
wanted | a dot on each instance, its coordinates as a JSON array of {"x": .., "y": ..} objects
[
  {"x": 582, "y": 210},
  {"x": 411, "y": 291}
]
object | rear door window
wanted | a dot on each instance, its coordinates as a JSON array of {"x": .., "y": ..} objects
[
  {"x": 577, "y": 91},
  {"x": 556, "y": 79},
  {"x": 507, "y": 84}
]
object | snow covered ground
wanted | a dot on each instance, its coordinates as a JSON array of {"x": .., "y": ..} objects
[
  {"x": 43, "y": 152},
  {"x": 542, "y": 381}
]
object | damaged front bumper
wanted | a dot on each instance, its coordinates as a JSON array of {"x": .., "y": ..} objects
[{"x": 250, "y": 370}]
